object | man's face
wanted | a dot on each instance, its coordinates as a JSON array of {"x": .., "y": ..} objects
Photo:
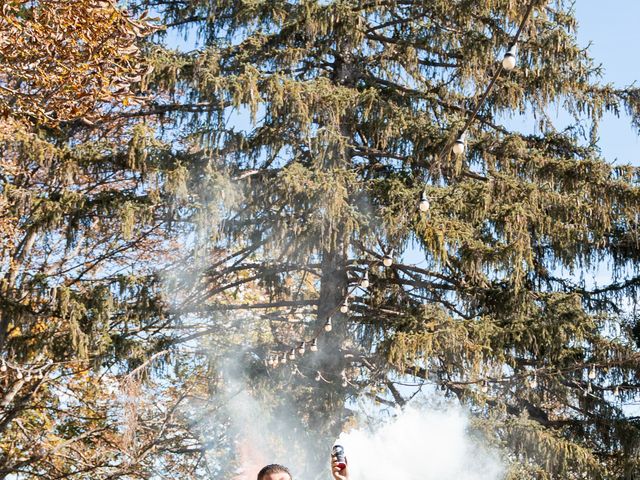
[{"x": 277, "y": 476}]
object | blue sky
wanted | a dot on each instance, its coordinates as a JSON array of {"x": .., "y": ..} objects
[
  {"x": 614, "y": 32},
  {"x": 610, "y": 28}
]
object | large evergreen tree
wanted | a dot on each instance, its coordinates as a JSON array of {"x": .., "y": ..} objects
[
  {"x": 295, "y": 170},
  {"x": 328, "y": 122}
]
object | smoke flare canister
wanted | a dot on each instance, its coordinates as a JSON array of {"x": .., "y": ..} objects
[{"x": 338, "y": 453}]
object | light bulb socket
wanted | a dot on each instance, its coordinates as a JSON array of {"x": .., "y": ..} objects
[
  {"x": 424, "y": 203},
  {"x": 364, "y": 283},
  {"x": 459, "y": 145},
  {"x": 327, "y": 325},
  {"x": 314, "y": 345},
  {"x": 510, "y": 58}
]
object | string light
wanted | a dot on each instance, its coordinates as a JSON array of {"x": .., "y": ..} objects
[
  {"x": 458, "y": 148},
  {"x": 365, "y": 280},
  {"x": 589, "y": 388},
  {"x": 616, "y": 391},
  {"x": 424, "y": 203},
  {"x": 387, "y": 260},
  {"x": 327, "y": 326},
  {"x": 292, "y": 354},
  {"x": 344, "y": 308},
  {"x": 509, "y": 60},
  {"x": 592, "y": 373},
  {"x": 484, "y": 388},
  {"x": 283, "y": 359},
  {"x": 459, "y": 145},
  {"x": 301, "y": 347}
]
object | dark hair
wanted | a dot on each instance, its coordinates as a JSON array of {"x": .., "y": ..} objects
[{"x": 273, "y": 468}]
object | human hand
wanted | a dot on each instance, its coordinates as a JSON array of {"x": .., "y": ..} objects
[{"x": 337, "y": 472}]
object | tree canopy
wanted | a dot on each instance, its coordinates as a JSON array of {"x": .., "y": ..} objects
[{"x": 333, "y": 195}]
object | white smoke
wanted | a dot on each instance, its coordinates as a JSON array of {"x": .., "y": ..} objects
[{"x": 420, "y": 444}]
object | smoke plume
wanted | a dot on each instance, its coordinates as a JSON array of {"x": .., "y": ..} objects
[{"x": 420, "y": 444}]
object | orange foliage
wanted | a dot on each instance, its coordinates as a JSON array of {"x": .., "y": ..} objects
[{"x": 65, "y": 60}]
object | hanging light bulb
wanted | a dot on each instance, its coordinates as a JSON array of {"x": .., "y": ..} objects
[
  {"x": 592, "y": 373},
  {"x": 509, "y": 60},
  {"x": 424, "y": 204},
  {"x": 533, "y": 383},
  {"x": 365, "y": 280},
  {"x": 327, "y": 325},
  {"x": 459, "y": 145},
  {"x": 314, "y": 345},
  {"x": 387, "y": 260},
  {"x": 616, "y": 391},
  {"x": 283, "y": 359},
  {"x": 589, "y": 388},
  {"x": 292, "y": 354},
  {"x": 484, "y": 388},
  {"x": 301, "y": 347},
  {"x": 344, "y": 308}
]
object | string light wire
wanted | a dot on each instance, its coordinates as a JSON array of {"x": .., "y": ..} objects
[{"x": 492, "y": 82}]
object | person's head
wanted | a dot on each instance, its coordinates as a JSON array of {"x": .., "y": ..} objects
[{"x": 274, "y": 472}]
